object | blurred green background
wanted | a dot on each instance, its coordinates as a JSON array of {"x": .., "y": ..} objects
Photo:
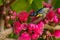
[{"x": 20, "y": 5}]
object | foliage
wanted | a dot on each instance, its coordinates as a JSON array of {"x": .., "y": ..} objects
[
  {"x": 56, "y": 3},
  {"x": 20, "y": 5},
  {"x": 0, "y": 2}
]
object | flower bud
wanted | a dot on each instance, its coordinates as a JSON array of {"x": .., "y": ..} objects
[
  {"x": 7, "y": 18},
  {"x": 10, "y": 12},
  {"x": 13, "y": 17},
  {"x": 58, "y": 11},
  {"x": 8, "y": 25}
]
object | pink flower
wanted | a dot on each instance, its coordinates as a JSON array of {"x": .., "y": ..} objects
[
  {"x": 14, "y": 15},
  {"x": 57, "y": 34},
  {"x": 50, "y": 15},
  {"x": 46, "y": 5},
  {"x": 35, "y": 36},
  {"x": 40, "y": 28},
  {"x": 31, "y": 28},
  {"x": 24, "y": 36},
  {"x": 41, "y": 24},
  {"x": 24, "y": 26},
  {"x": 46, "y": 21},
  {"x": 55, "y": 19},
  {"x": 17, "y": 28},
  {"x": 23, "y": 16},
  {"x": 58, "y": 11},
  {"x": 59, "y": 19}
]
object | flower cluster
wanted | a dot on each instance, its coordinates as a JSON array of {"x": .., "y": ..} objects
[
  {"x": 51, "y": 16},
  {"x": 23, "y": 16},
  {"x": 31, "y": 31}
]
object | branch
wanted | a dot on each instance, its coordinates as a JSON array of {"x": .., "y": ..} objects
[
  {"x": 1, "y": 24},
  {"x": 3, "y": 12},
  {"x": 5, "y": 33},
  {"x": 9, "y": 39},
  {"x": 57, "y": 27}
]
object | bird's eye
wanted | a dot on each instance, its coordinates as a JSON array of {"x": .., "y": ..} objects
[{"x": 32, "y": 14}]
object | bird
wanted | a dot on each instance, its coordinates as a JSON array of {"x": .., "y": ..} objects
[{"x": 40, "y": 13}]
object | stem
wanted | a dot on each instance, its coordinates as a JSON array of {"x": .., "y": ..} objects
[
  {"x": 1, "y": 23},
  {"x": 3, "y": 33},
  {"x": 3, "y": 12},
  {"x": 2, "y": 19}
]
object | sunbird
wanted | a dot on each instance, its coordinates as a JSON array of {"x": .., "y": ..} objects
[{"x": 40, "y": 13}]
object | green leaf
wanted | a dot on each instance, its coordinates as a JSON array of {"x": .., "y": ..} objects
[
  {"x": 46, "y": 0},
  {"x": 30, "y": 1},
  {"x": 20, "y": 5},
  {"x": 40, "y": 39},
  {"x": 55, "y": 38},
  {"x": 10, "y": 21},
  {"x": 58, "y": 39},
  {"x": 12, "y": 35},
  {"x": 36, "y": 4},
  {"x": 1, "y": 2},
  {"x": 56, "y": 3}
]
